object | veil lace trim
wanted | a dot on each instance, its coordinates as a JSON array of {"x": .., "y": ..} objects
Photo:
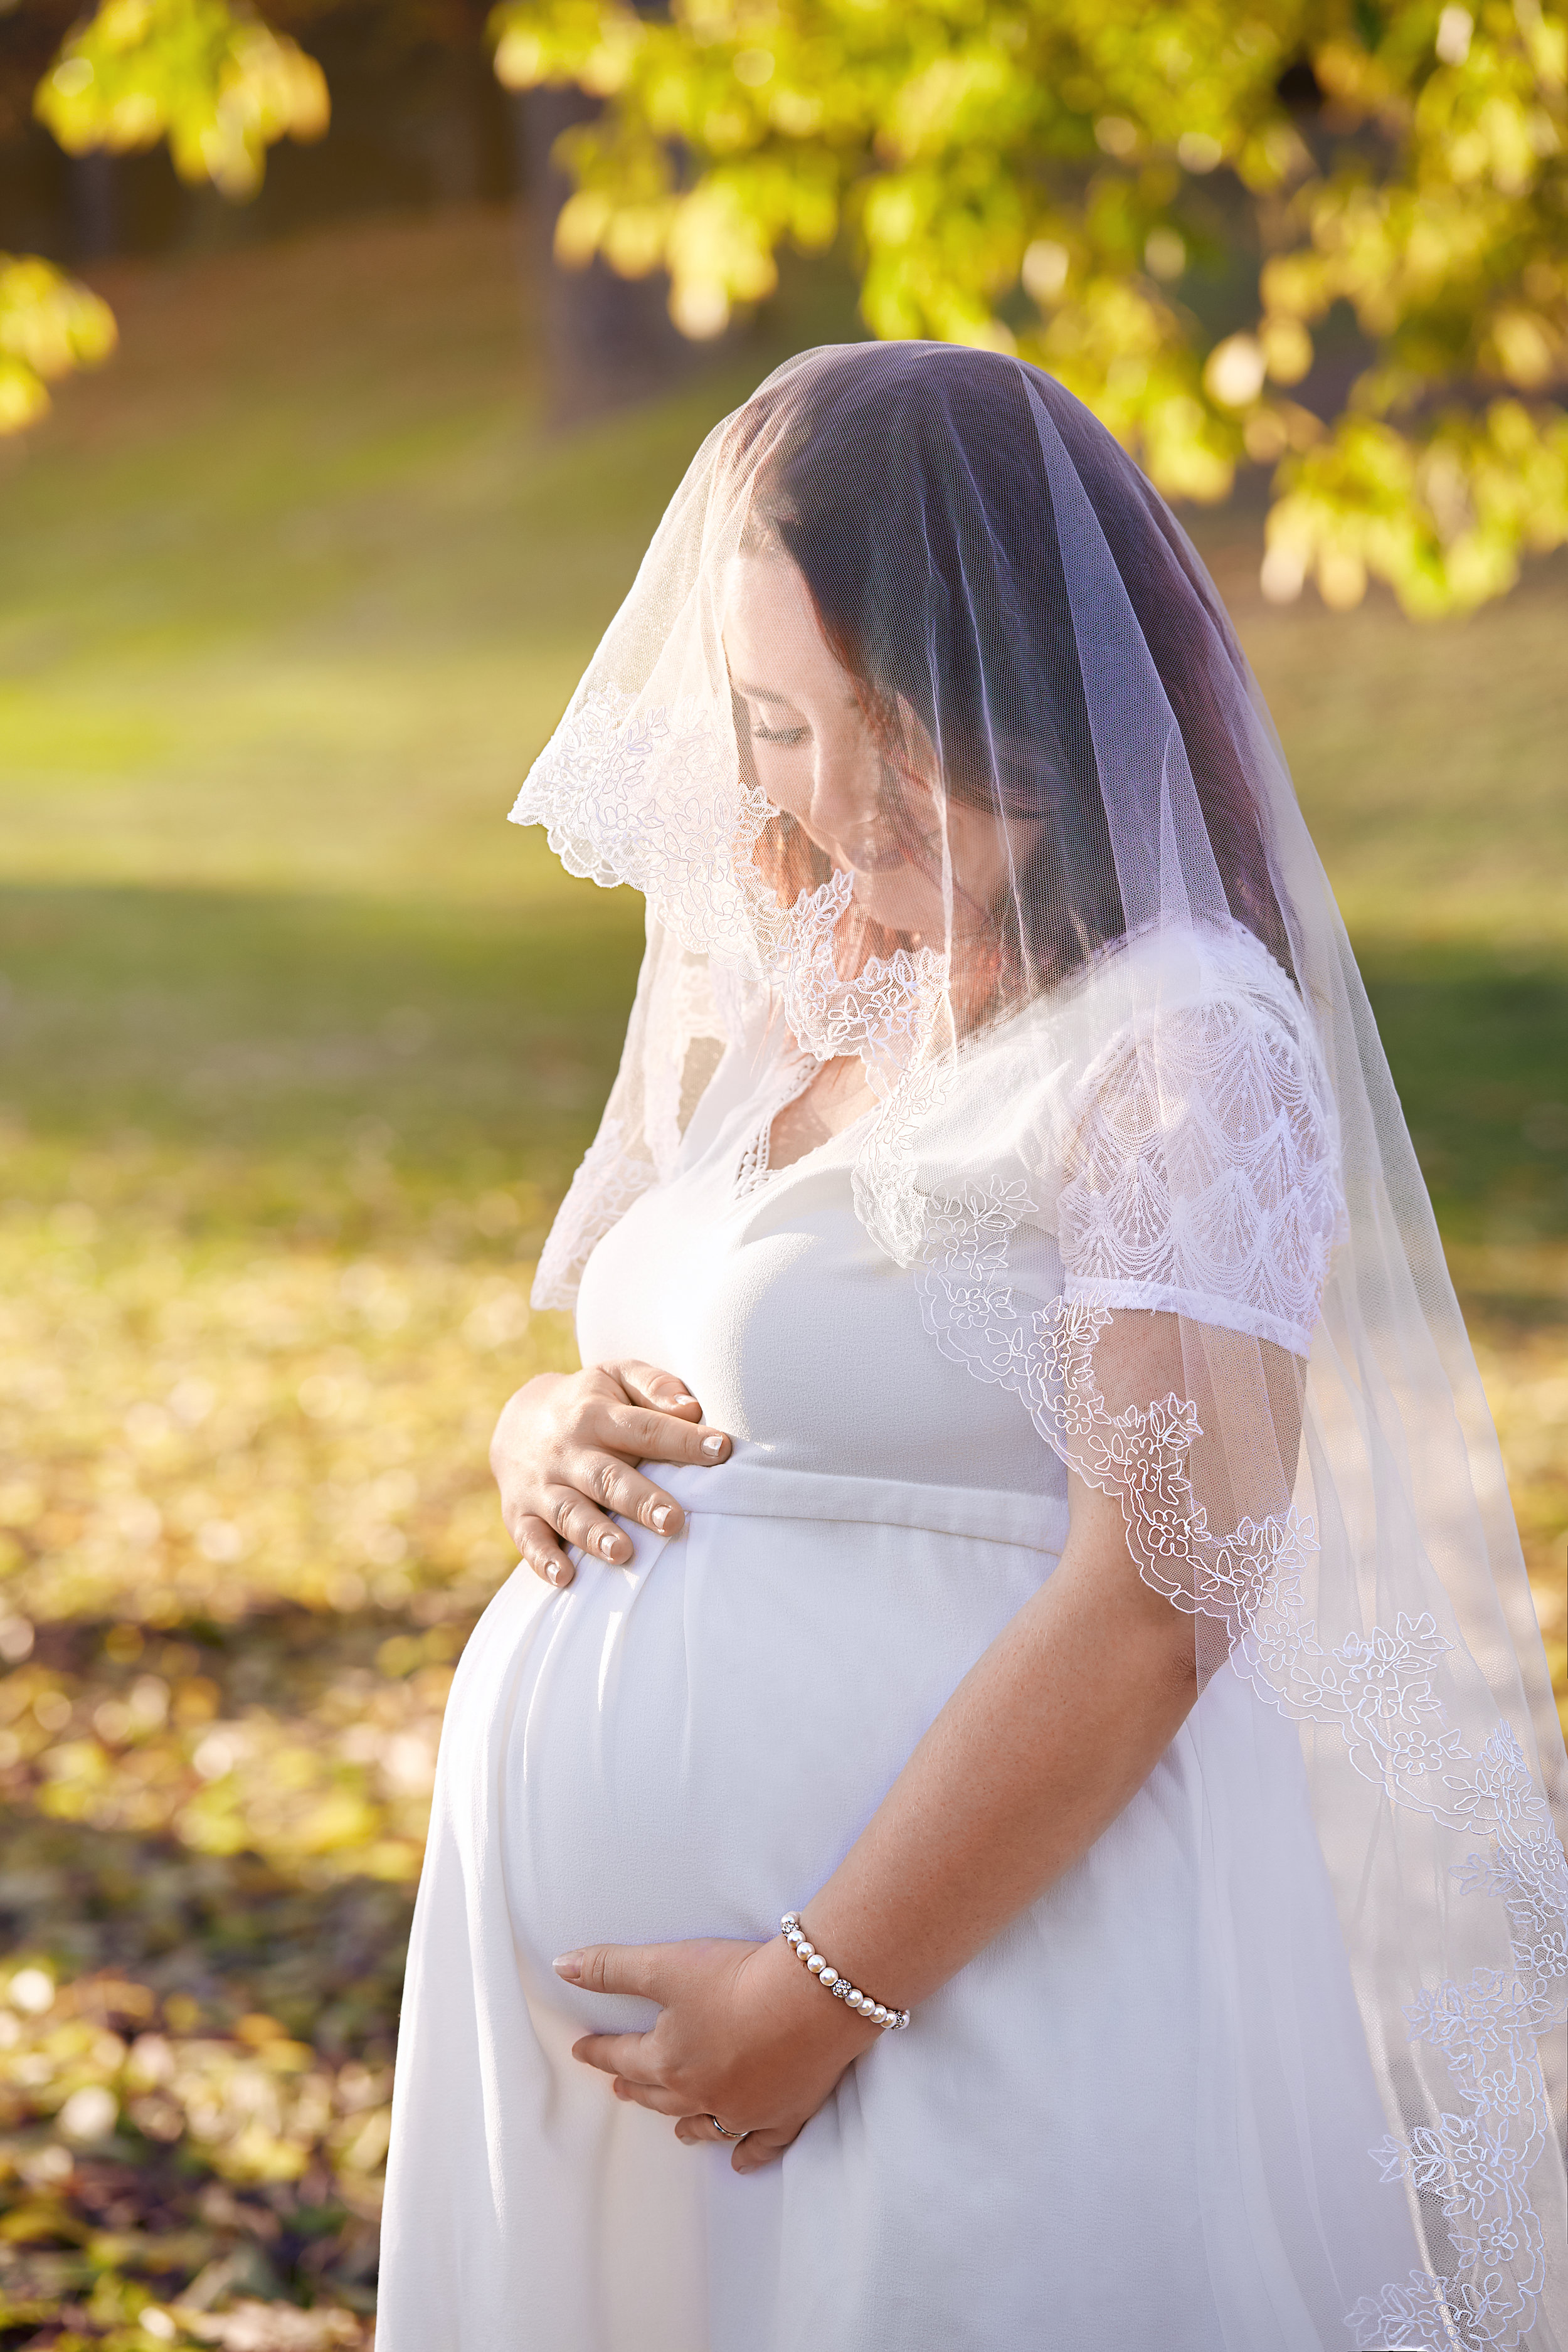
[
  {"x": 877, "y": 1013},
  {"x": 649, "y": 795},
  {"x": 1382, "y": 1692},
  {"x": 755, "y": 1165},
  {"x": 1269, "y": 1186},
  {"x": 1185, "y": 1154}
]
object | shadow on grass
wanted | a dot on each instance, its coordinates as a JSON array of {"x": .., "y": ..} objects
[
  {"x": 1477, "y": 1043},
  {"x": 287, "y": 1043},
  {"x": 228, "y": 1932},
  {"x": 283, "y": 1041},
  {"x": 150, "y": 1936}
]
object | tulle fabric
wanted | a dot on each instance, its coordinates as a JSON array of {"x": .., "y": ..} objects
[{"x": 1136, "y": 1144}]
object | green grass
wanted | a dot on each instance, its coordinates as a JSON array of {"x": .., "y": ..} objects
[
  {"x": 299, "y": 1044},
  {"x": 296, "y": 587}
]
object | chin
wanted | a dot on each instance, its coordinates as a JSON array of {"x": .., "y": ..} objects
[{"x": 896, "y": 910}]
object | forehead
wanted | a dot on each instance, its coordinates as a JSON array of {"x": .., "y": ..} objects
[{"x": 769, "y": 618}]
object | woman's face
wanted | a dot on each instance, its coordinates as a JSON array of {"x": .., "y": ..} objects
[{"x": 814, "y": 756}]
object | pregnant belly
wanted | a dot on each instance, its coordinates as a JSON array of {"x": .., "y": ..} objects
[{"x": 690, "y": 1747}]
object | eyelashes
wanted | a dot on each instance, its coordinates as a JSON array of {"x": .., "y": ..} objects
[{"x": 780, "y": 734}]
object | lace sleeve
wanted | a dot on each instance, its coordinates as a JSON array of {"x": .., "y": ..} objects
[
  {"x": 1201, "y": 1168},
  {"x": 1172, "y": 1150}
]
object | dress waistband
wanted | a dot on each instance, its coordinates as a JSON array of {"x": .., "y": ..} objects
[{"x": 745, "y": 1489}]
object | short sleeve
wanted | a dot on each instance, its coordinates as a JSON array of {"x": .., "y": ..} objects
[{"x": 1200, "y": 1162}]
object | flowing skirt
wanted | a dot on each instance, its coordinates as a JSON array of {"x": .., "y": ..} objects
[{"x": 1142, "y": 2115}]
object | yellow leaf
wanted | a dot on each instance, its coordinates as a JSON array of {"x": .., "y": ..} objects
[
  {"x": 519, "y": 60},
  {"x": 24, "y": 397}
]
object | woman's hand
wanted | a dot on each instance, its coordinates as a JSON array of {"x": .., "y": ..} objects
[
  {"x": 564, "y": 1453},
  {"x": 744, "y": 2034}
]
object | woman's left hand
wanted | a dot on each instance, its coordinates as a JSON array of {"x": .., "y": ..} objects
[{"x": 744, "y": 2033}]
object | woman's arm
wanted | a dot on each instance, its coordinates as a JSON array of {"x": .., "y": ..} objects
[
  {"x": 1063, "y": 1719},
  {"x": 1039, "y": 1749}
]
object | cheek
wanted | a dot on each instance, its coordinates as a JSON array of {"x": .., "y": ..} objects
[
  {"x": 784, "y": 775},
  {"x": 904, "y": 900},
  {"x": 980, "y": 860}
]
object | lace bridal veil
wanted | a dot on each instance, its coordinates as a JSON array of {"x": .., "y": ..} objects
[{"x": 1136, "y": 1141}]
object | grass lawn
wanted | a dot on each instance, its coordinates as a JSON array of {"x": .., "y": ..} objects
[{"x": 299, "y": 1043}]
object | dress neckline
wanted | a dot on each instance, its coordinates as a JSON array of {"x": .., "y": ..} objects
[{"x": 756, "y": 1170}]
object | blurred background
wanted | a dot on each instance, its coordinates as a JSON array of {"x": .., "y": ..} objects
[{"x": 325, "y": 473}]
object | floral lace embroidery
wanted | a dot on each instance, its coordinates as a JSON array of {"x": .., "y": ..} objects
[
  {"x": 1206, "y": 1163},
  {"x": 1206, "y": 1176},
  {"x": 881, "y": 1014},
  {"x": 1487, "y": 2031},
  {"x": 756, "y": 1160},
  {"x": 877, "y": 1013},
  {"x": 698, "y": 994},
  {"x": 1210, "y": 1178},
  {"x": 1206, "y": 1168},
  {"x": 1381, "y": 1690},
  {"x": 653, "y": 796}
]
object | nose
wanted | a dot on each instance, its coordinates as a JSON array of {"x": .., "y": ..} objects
[{"x": 844, "y": 814}]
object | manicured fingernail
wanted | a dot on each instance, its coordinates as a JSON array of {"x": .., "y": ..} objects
[
  {"x": 714, "y": 1447},
  {"x": 567, "y": 1966},
  {"x": 560, "y": 1574},
  {"x": 607, "y": 1546},
  {"x": 682, "y": 1400},
  {"x": 662, "y": 1516}
]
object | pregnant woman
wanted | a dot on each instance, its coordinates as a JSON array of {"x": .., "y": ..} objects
[{"x": 1007, "y": 1805}]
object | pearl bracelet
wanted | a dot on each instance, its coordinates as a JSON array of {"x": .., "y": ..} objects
[{"x": 875, "y": 2012}]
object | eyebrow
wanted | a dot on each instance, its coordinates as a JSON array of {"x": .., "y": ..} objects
[{"x": 761, "y": 693}]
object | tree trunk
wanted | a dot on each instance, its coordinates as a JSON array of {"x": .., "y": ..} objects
[
  {"x": 608, "y": 341},
  {"x": 94, "y": 211}
]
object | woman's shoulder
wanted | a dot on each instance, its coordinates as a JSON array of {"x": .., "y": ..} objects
[
  {"x": 1167, "y": 1116},
  {"x": 1163, "y": 982},
  {"x": 1192, "y": 1039},
  {"x": 1201, "y": 1159},
  {"x": 1170, "y": 970},
  {"x": 1200, "y": 1027}
]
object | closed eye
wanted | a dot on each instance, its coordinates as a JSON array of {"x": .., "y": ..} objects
[{"x": 780, "y": 734}]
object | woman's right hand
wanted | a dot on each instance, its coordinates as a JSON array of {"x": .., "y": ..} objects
[{"x": 565, "y": 1453}]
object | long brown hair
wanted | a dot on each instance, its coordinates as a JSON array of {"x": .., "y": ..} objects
[{"x": 906, "y": 483}]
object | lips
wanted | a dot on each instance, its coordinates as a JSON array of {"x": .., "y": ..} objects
[{"x": 874, "y": 854}]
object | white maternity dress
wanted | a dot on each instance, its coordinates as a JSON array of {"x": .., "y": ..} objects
[{"x": 691, "y": 1747}]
